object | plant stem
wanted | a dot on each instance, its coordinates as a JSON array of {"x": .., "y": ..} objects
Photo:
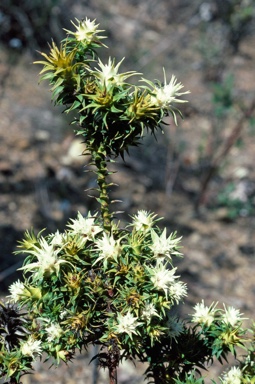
[
  {"x": 99, "y": 158},
  {"x": 113, "y": 375},
  {"x": 113, "y": 361},
  {"x": 100, "y": 161}
]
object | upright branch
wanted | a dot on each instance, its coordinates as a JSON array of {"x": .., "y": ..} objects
[
  {"x": 113, "y": 376},
  {"x": 99, "y": 158}
]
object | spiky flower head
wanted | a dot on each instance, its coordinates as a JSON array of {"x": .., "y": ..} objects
[
  {"x": 166, "y": 95},
  {"x": 57, "y": 239},
  {"x": 143, "y": 108},
  {"x": 162, "y": 277},
  {"x": 54, "y": 331},
  {"x": 108, "y": 74},
  {"x": 108, "y": 248},
  {"x": 59, "y": 61},
  {"x": 86, "y": 31},
  {"x": 233, "y": 376},
  {"x": 127, "y": 324},
  {"x": 85, "y": 226},
  {"x": 143, "y": 220},
  {"x": 203, "y": 314},
  {"x": 164, "y": 247},
  {"x": 177, "y": 291},
  {"x": 16, "y": 291},
  {"x": 149, "y": 312},
  {"x": 232, "y": 316},
  {"x": 31, "y": 347},
  {"x": 48, "y": 259}
]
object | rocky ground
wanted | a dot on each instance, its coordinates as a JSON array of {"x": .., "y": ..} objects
[{"x": 43, "y": 183}]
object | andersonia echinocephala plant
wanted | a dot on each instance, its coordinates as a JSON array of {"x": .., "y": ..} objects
[{"x": 98, "y": 283}]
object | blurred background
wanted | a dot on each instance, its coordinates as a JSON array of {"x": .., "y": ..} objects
[{"x": 199, "y": 176}]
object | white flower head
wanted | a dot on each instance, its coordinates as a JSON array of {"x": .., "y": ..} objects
[
  {"x": 143, "y": 220},
  {"x": 164, "y": 247},
  {"x": 233, "y": 376},
  {"x": 232, "y": 316},
  {"x": 203, "y": 314},
  {"x": 177, "y": 291},
  {"x": 162, "y": 277},
  {"x": 167, "y": 94},
  {"x": 54, "y": 331},
  {"x": 174, "y": 326},
  {"x": 149, "y": 311},
  {"x": 108, "y": 248},
  {"x": 31, "y": 348},
  {"x": 86, "y": 31},
  {"x": 108, "y": 74},
  {"x": 85, "y": 226},
  {"x": 127, "y": 324},
  {"x": 48, "y": 260},
  {"x": 16, "y": 291},
  {"x": 57, "y": 239},
  {"x": 63, "y": 314}
]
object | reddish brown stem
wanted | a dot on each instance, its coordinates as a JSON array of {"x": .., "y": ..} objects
[{"x": 113, "y": 375}]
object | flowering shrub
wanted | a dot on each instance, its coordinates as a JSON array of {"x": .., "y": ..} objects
[{"x": 96, "y": 282}]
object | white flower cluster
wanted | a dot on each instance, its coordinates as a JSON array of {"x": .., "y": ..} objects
[
  {"x": 160, "y": 272},
  {"x": 112, "y": 250},
  {"x": 206, "y": 315},
  {"x": 162, "y": 277},
  {"x": 47, "y": 253}
]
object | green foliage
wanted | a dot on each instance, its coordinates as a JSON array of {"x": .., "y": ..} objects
[
  {"x": 223, "y": 96},
  {"x": 13, "y": 334},
  {"x": 190, "y": 379},
  {"x": 248, "y": 365},
  {"x": 252, "y": 125},
  {"x": 238, "y": 16},
  {"x": 110, "y": 112},
  {"x": 172, "y": 360},
  {"x": 84, "y": 286},
  {"x": 235, "y": 206}
]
